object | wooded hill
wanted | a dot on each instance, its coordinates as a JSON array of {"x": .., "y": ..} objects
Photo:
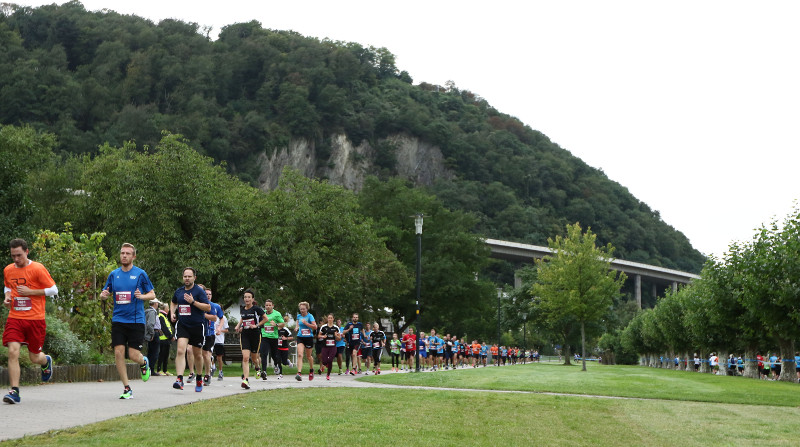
[{"x": 95, "y": 77}]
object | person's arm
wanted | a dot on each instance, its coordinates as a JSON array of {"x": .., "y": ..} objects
[
  {"x": 172, "y": 307},
  {"x": 151, "y": 295},
  {"x": 27, "y": 291}
]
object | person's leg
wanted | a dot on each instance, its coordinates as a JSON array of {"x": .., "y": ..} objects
[
  {"x": 300, "y": 353},
  {"x": 13, "y": 364},
  {"x": 119, "y": 361},
  {"x": 180, "y": 358}
]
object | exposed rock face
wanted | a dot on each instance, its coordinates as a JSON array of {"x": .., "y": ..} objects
[{"x": 349, "y": 165}]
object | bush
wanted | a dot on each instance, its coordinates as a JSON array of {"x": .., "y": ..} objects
[{"x": 61, "y": 343}]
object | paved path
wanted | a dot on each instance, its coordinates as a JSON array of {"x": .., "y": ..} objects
[{"x": 64, "y": 405}]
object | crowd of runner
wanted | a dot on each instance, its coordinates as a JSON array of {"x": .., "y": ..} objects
[{"x": 199, "y": 326}]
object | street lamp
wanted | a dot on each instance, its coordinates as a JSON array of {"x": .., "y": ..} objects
[
  {"x": 499, "y": 294},
  {"x": 418, "y": 226}
]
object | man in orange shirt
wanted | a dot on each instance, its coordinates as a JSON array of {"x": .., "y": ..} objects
[
  {"x": 495, "y": 357},
  {"x": 26, "y": 284}
]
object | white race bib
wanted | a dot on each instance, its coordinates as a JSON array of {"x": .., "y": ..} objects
[
  {"x": 22, "y": 303},
  {"x": 123, "y": 297},
  {"x": 305, "y": 332},
  {"x": 355, "y": 336},
  {"x": 184, "y": 309},
  {"x": 330, "y": 342},
  {"x": 249, "y": 323},
  {"x": 280, "y": 342},
  {"x": 269, "y": 328}
]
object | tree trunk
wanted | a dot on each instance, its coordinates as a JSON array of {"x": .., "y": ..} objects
[
  {"x": 583, "y": 347},
  {"x": 704, "y": 366},
  {"x": 567, "y": 354},
  {"x": 788, "y": 373},
  {"x": 751, "y": 364},
  {"x": 722, "y": 363}
]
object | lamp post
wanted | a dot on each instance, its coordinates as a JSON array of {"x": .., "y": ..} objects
[
  {"x": 524, "y": 329},
  {"x": 499, "y": 294},
  {"x": 418, "y": 225}
]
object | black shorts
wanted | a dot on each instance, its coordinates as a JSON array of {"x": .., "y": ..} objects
[
  {"x": 339, "y": 350},
  {"x": 250, "y": 340},
  {"x": 354, "y": 345},
  {"x": 433, "y": 354},
  {"x": 127, "y": 334},
  {"x": 193, "y": 333},
  {"x": 209, "y": 343},
  {"x": 219, "y": 349},
  {"x": 366, "y": 353},
  {"x": 376, "y": 355},
  {"x": 308, "y": 342}
]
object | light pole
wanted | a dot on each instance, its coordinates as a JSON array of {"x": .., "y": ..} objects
[
  {"x": 499, "y": 294},
  {"x": 524, "y": 329},
  {"x": 418, "y": 225}
]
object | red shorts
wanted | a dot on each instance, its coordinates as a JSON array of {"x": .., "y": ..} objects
[{"x": 26, "y": 332}]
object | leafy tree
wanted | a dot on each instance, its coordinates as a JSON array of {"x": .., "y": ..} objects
[
  {"x": 577, "y": 281},
  {"x": 79, "y": 266}
]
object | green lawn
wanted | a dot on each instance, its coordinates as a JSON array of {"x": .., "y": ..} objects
[
  {"x": 623, "y": 381},
  {"x": 701, "y": 409}
]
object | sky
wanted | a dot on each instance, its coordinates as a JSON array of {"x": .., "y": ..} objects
[{"x": 691, "y": 105}]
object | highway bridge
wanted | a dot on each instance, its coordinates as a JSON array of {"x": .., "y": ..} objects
[{"x": 517, "y": 252}]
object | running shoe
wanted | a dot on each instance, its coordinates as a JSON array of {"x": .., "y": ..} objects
[
  {"x": 145, "y": 370},
  {"x": 245, "y": 385},
  {"x": 220, "y": 376},
  {"x": 328, "y": 377},
  {"x": 206, "y": 380},
  {"x": 11, "y": 398},
  {"x": 379, "y": 371},
  {"x": 311, "y": 376},
  {"x": 263, "y": 375},
  {"x": 126, "y": 394},
  {"x": 190, "y": 379},
  {"x": 167, "y": 373},
  {"x": 298, "y": 378},
  {"x": 340, "y": 372},
  {"x": 319, "y": 371},
  {"x": 280, "y": 376},
  {"x": 178, "y": 385},
  {"x": 47, "y": 370},
  {"x": 276, "y": 370},
  {"x": 199, "y": 385},
  {"x": 352, "y": 372},
  {"x": 366, "y": 373}
]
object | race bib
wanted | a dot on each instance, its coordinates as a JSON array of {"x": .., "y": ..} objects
[
  {"x": 22, "y": 303},
  {"x": 355, "y": 335},
  {"x": 305, "y": 332},
  {"x": 269, "y": 328},
  {"x": 330, "y": 342},
  {"x": 123, "y": 297},
  {"x": 249, "y": 323},
  {"x": 377, "y": 344},
  {"x": 184, "y": 309},
  {"x": 367, "y": 345},
  {"x": 280, "y": 342}
]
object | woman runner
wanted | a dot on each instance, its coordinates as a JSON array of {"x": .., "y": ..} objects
[
  {"x": 378, "y": 338},
  {"x": 394, "y": 350},
  {"x": 249, "y": 326},
  {"x": 306, "y": 326},
  {"x": 329, "y": 334}
]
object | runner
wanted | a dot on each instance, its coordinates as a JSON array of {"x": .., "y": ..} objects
[
  {"x": 269, "y": 337},
  {"x": 495, "y": 355},
  {"x": 26, "y": 285},
  {"x": 328, "y": 335},
  {"x": 448, "y": 351},
  {"x": 220, "y": 329},
  {"x": 462, "y": 353},
  {"x": 410, "y": 342},
  {"x": 394, "y": 350},
  {"x": 476, "y": 351},
  {"x": 433, "y": 349},
  {"x": 366, "y": 348},
  {"x": 253, "y": 318},
  {"x": 305, "y": 340},
  {"x": 352, "y": 332},
  {"x": 378, "y": 340},
  {"x": 284, "y": 337},
  {"x": 484, "y": 350},
  {"x": 191, "y": 304},
  {"x": 211, "y": 334},
  {"x": 131, "y": 287},
  {"x": 341, "y": 345}
]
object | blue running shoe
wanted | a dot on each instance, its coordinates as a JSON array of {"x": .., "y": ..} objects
[
  {"x": 178, "y": 385},
  {"x": 11, "y": 398},
  {"x": 145, "y": 370},
  {"x": 198, "y": 385},
  {"x": 47, "y": 370}
]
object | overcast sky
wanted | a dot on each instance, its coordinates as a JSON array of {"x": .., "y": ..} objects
[{"x": 693, "y": 106}]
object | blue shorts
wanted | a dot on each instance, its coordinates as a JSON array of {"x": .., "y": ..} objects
[{"x": 423, "y": 353}]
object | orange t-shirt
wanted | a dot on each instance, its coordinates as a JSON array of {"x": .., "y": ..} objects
[
  {"x": 476, "y": 348},
  {"x": 494, "y": 350},
  {"x": 33, "y": 275}
]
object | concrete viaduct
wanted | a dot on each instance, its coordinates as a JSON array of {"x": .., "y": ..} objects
[{"x": 517, "y": 252}]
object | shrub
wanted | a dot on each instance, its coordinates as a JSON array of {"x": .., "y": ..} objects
[{"x": 61, "y": 343}]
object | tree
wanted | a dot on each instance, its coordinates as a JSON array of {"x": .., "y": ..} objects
[{"x": 577, "y": 281}]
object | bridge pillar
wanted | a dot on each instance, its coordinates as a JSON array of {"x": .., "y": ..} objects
[
  {"x": 655, "y": 292},
  {"x": 674, "y": 286},
  {"x": 638, "y": 289}
]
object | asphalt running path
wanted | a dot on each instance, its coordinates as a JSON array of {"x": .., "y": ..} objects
[{"x": 63, "y": 405}]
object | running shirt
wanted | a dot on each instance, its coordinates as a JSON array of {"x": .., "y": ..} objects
[
  {"x": 122, "y": 285},
  {"x": 221, "y": 324},
  {"x": 35, "y": 276},
  {"x": 303, "y": 330},
  {"x": 484, "y": 348},
  {"x": 190, "y": 315},
  {"x": 395, "y": 346},
  {"x": 283, "y": 345},
  {"x": 251, "y": 317},
  {"x": 476, "y": 348},
  {"x": 440, "y": 346},
  {"x": 409, "y": 340},
  {"x": 377, "y": 339},
  {"x": 366, "y": 340},
  {"x": 354, "y": 336},
  {"x": 328, "y": 335},
  {"x": 433, "y": 343},
  {"x": 270, "y": 329},
  {"x": 216, "y": 310},
  {"x": 493, "y": 350}
]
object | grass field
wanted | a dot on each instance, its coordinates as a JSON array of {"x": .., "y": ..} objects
[{"x": 714, "y": 410}]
